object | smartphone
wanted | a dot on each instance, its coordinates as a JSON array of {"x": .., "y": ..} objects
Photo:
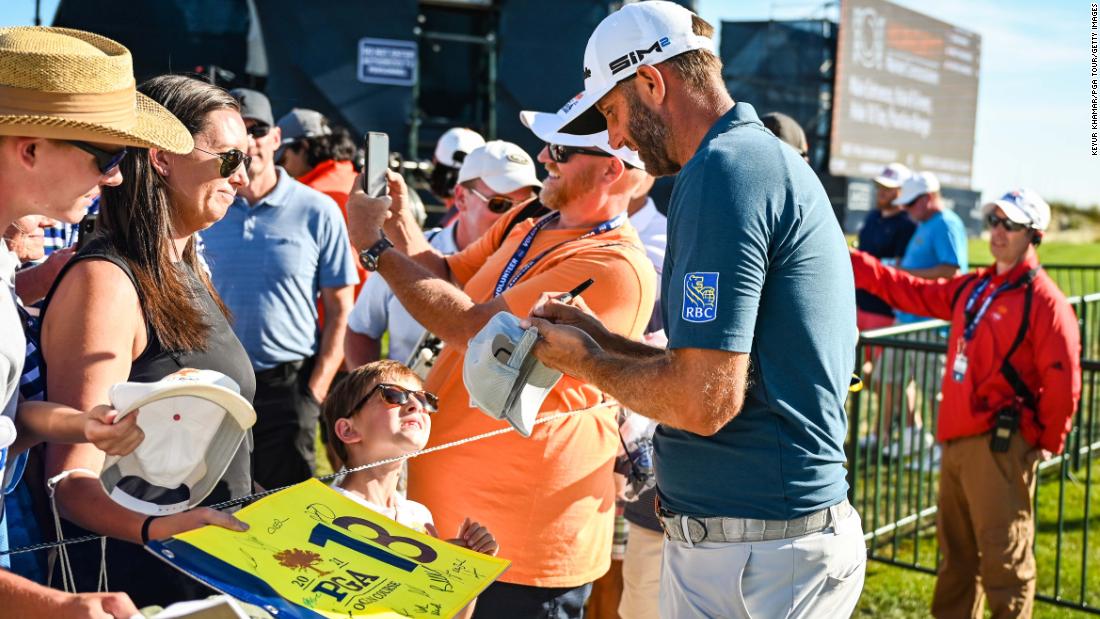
[
  {"x": 376, "y": 145},
  {"x": 85, "y": 231}
]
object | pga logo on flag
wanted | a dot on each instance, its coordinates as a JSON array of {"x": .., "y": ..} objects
[{"x": 700, "y": 297}]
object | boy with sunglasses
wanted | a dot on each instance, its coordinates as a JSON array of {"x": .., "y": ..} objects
[
  {"x": 381, "y": 411},
  {"x": 1010, "y": 387}
]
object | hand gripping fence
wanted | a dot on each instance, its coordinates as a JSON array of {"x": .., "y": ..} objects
[{"x": 61, "y": 543}]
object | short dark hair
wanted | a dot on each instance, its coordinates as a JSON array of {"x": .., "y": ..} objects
[
  {"x": 354, "y": 386},
  {"x": 699, "y": 66},
  {"x": 338, "y": 145}
]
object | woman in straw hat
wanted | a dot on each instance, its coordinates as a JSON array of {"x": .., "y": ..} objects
[
  {"x": 68, "y": 111},
  {"x": 135, "y": 305}
]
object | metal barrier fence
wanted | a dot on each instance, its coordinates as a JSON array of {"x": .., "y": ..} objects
[
  {"x": 894, "y": 461},
  {"x": 1073, "y": 279}
]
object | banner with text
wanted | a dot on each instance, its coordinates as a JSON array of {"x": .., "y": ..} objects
[
  {"x": 906, "y": 90},
  {"x": 311, "y": 552}
]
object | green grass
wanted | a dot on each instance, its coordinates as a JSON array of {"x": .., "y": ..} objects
[
  {"x": 895, "y": 592},
  {"x": 1052, "y": 252}
]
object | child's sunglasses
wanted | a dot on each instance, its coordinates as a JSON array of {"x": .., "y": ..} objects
[{"x": 399, "y": 396}]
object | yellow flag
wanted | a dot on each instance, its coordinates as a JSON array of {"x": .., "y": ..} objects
[{"x": 312, "y": 552}]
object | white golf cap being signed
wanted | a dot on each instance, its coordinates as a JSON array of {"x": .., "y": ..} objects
[
  {"x": 503, "y": 379},
  {"x": 194, "y": 422}
]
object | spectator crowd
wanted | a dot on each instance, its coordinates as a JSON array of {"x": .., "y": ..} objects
[{"x": 700, "y": 471}]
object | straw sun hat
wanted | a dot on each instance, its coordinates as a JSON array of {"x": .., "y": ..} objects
[{"x": 72, "y": 85}]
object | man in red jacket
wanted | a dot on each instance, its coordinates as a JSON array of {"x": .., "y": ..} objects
[{"x": 1010, "y": 387}]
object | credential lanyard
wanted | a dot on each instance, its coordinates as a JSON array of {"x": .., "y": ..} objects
[
  {"x": 975, "y": 317},
  {"x": 510, "y": 276}
]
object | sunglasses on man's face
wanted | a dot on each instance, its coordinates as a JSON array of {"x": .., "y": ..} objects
[
  {"x": 1009, "y": 226},
  {"x": 258, "y": 130},
  {"x": 231, "y": 160},
  {"x": 397, "y": 395},
  {"x": 561, "y": 154},
  {"x": 498, "y": 204},
  {"x": 105, "y": 160}
]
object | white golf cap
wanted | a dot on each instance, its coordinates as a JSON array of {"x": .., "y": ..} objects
[
  {"x": 893, "y": 175},
  {"x": 916, "y": 186},
  {"x": 194, "y": 422},
  {"x": 1023, "y": 206},
  {"x": 503, "y": 379},
  {"x": 501, "y": 165},
  {"x": 455, "y": 144},
  {"x": 639, "y": 33},
  {"x": 545, "y": 126}
]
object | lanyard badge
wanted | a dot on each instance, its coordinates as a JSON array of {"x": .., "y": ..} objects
[{"x": 958, "y": 369}]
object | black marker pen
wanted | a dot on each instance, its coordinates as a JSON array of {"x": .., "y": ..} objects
[{"x": 576, "y": 292}]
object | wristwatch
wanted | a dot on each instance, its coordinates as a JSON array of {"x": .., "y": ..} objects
[{"x": 369, "y": 257}]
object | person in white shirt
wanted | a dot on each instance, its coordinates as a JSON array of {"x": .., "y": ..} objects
[{"x": 490, "y": 183}]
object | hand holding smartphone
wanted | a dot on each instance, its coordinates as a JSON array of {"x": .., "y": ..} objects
[{"x": 377, "y": 147}]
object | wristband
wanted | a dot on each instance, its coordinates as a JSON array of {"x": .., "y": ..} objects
[{"x": 145, "y": 529}]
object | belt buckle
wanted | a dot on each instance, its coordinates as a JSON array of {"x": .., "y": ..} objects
[{"x": 692, "y": 535}]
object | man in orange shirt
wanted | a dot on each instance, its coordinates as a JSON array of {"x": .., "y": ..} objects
[{"x": 549, "y": 498}]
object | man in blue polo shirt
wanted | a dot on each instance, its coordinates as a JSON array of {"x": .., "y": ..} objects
[
  {"x": 760, "y": 312},
  {"x": 938, "y": 247},
  {"x": 281, "y": 246}
]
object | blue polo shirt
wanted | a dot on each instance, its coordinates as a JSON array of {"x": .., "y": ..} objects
[
  {"x": 757, "y": 264},
  {"x": 941, "y": 239},
  {"x": 269, "y": 262}
]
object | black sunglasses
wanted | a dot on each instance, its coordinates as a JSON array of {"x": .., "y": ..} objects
[
  {"x": 1010, "y": 226},
  {"x": 498, "y": 204},
  {"x": 105, "y": 160},
  {"x": 258, "y": 131},
  {"x": 399, "y": 396},
  {"x": 231, "y": 160},
  {"x": 561, "y": 154}
]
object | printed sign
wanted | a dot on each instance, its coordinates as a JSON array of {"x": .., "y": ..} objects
[
  {"x": 387, "y": 61},
  {"x": 311, "y": 552},
  {"x": 906, "y": 91}
]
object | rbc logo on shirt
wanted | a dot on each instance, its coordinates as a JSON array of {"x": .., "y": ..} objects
[{"x": 700, "y": 297}]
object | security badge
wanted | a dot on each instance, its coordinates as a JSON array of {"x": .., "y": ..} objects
[
  {"x": 700, "y": 297},
  {"x": 958, "y": 369}
]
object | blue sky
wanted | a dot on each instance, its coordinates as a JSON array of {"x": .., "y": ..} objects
[
  {"x": 1033, "y": 99},
  {"x": 1033, "y": 92}
]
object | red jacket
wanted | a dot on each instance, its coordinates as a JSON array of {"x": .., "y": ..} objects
[{"x": 1048, "y": 359}]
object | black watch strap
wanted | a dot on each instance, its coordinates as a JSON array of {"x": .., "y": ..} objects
[{"x": 369, "y": 257}]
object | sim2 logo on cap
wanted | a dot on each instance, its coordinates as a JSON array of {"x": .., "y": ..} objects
[
  {"x": 700, "y": 297},
  {"x": 636, "y": 56}
]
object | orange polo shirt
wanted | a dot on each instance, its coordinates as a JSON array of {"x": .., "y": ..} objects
[{"x": 549, "y": 499}]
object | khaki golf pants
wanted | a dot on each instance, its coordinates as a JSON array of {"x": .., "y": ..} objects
[{"x": 985, "y": 527}]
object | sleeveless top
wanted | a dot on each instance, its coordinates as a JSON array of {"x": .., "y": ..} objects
[{"x": 129, "y": 567}]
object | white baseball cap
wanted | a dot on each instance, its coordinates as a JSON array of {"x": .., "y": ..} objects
[
  {"x": 501, "y": 375},
  {"x": 639, "y": 33},
  {"x": 457, "y": 140},
  {"x": 916, "y": 186},
  {"x": 1023, "y": 206},
  {"x": 501, "y": 165},
  {"x": 546, "y": 125},
  {"x": 893, "y": 175},
  {"x": 194, "y": 422}
]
